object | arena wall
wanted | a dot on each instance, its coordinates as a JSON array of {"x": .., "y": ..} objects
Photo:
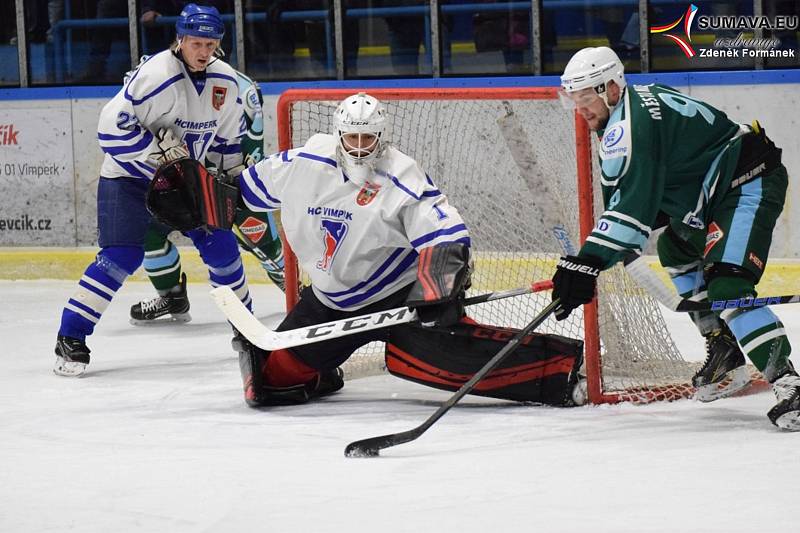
[{"x": 49, "y": 156}]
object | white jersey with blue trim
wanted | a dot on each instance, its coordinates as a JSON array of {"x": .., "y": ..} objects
[
  {"x": 357, "y": 244},
  {"x": 204, "y": 110}
]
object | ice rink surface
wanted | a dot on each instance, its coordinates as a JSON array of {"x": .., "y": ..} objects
[{"x": 156, "y": 438}]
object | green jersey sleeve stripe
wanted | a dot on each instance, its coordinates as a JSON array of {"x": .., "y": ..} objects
[
  {"x": 619, "y": 232},
  {"x": 606, "y": 244},
  {"x": 622, "y": 217}
]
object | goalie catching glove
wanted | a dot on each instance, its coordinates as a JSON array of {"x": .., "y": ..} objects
[
  {"x": 185, "y": 196},
  {"x": 574, "y": 283},
  {"x": 443, "y": 274}
]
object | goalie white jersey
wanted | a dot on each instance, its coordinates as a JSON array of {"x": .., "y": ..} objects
[
  {"x": 204, "y": 110},
  {"x": 358, "y": 244}
]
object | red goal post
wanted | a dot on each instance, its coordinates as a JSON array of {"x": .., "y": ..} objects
[{"x": 293, "y": 131}]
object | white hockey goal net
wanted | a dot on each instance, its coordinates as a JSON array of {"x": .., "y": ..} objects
[{"x": 515, "y": 164}]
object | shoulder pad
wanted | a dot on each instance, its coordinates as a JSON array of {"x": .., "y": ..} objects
[
  {"x": 321, "y": 144},
  {"x": 152, "y": 73},
  {"x": 403, "y": 168}
]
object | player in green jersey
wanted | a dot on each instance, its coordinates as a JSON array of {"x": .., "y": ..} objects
[
  {"x": 256, "y": 232},
  {"x": 670, "y": 160}
]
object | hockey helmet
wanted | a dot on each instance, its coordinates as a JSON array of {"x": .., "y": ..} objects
[
  {"x": 200, "y": 21},
  {"x": 359, "y": 124},
  {"x": 590, "y": 68}
]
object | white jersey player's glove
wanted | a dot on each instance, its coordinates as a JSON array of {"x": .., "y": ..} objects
[{"x": 170, "y": 148}]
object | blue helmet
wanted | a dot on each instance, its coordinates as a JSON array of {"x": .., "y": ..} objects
[{"x": 200, "y": 21}]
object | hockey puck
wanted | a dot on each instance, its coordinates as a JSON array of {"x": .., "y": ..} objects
[{"x": 357, "y": 451}]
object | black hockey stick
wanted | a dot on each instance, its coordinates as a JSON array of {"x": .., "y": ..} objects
[{"x": 372, "y": 446}]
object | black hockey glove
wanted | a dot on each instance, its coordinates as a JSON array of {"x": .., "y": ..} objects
[{"x": 574, "y": 283}]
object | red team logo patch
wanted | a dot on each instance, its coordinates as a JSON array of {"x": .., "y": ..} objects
[
  {"x": 253, "y": 229},
  {"x": 367, "y": 193},
  {"x": 713, "y": 236},
  {"x": 218, "y": 97}
]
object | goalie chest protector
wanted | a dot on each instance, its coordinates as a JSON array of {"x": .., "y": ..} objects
[{"x": 543, "y": 369}]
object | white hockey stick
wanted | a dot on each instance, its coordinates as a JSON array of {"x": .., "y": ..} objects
[{"x": 267, "y": 339}]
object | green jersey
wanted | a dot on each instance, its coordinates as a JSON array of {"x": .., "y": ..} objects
[
  {"x": 253, "y": 139},
  {"x": 661, "y": 152}
]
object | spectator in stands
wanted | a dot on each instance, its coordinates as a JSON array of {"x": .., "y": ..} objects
[
  {"x": 406, "y": 35},
  {"x": 272, "y": 43},
  {"x": 507, "y": 31},
  {"x": 102, "y": 39},
  {"x": 40, "y": 16},
  {"x": 320, "y": 47}
]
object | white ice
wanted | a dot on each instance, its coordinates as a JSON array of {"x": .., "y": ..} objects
[{"x": 156, "y": 438}]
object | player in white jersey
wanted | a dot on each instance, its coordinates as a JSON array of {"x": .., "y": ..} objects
[
  {"x": 256, "y": 232},
  {"x": 373, "y": 232},
  {"x": 180, "y": 103}
]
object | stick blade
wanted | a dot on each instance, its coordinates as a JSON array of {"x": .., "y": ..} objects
[
  {"x": 372, "y": 446},
  {"x": 242, "y": 319}
]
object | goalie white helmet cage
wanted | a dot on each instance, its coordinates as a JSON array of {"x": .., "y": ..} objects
[
  {"x": 359, "y": 114},
  {"x": 593, "y": 67}
]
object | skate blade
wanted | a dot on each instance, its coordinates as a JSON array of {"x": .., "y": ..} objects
[
  {"x": 789, "y": 421},
  {"x": 736, "y": 380},
  {"x": 178, "y": 318},
  {"x": 70, "y": 369}
]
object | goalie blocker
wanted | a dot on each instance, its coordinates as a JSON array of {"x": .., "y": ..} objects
[{"x": 184, "y": 195}]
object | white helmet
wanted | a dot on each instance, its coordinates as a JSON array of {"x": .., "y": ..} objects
[
  {"x": 363, "y": 115},
  {"x": 592, "y": 68}
]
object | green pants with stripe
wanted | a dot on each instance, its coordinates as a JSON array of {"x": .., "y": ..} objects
[
  {"x": 256, "y": 232},
  {"x": 727, "y": 259}
]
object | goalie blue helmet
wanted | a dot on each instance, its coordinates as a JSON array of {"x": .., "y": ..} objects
[{"x": 200, "y": 21}]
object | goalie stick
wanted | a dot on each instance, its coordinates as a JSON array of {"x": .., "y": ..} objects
[
  {"x": 371, "y": 447},
  {"x": 637, "y": 267},
  {"x": 266, "y": 339}
]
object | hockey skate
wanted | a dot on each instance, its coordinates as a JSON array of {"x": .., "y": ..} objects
[
  {"x": 786, "y": 414},
  {"x": 72, "y": 356},
  {"x": 174, "y": 304},
  {"x": 724, "y": 371}
]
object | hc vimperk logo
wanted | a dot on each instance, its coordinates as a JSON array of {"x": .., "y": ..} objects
[
  {"x": 334, "y": 232},
  {"x": 687, "y": 19}
]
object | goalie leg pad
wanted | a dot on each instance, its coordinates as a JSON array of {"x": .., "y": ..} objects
[
  {"x": 543, "y": 369},
  {"x": 278, "y": 377}
]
